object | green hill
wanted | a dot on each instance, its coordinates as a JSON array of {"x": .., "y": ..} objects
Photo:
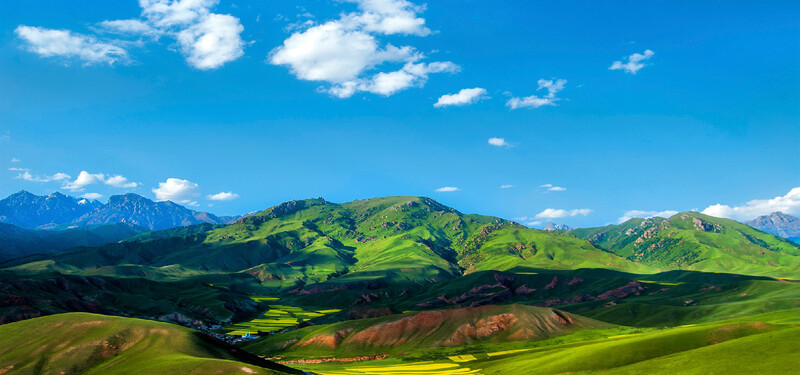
[
  {"x": 20, "y": 242},
  {"x": 693, "y": 241},
  {"x": 80, "y": 343},
  {"x": 428, "y": 329},
  {"x": 387, "y": 240}
]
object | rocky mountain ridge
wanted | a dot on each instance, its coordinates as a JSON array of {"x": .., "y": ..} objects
[{"x": 57, "y": 210}]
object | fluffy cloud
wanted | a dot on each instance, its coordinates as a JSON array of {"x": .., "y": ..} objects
[
  {"x": 386, "y": 84},
  {"x": 788, "y": 204},
  {"x": 212, "y": 42},
  {"x": 506, "y": 186},
  {"x": 551, "y": 187},
  {"x": 634, "y": 62},
  {"x": 499, "y": 142},
  {"x": 447, "y": 189},
  {"x": 168, "y": 13},
  {"x": 25, "y": 174},
  {"x": 388, "y": 17},
  {"x": 70, "y": 46},
  {"x": 645, "y": 214},
  {"x": 120, "y": 182},
  {"x": 207, "y": 40},
  {"x": 345, "y": 52},
  {"x": 177, "y": 190},
  {"x": 223, "y": 196},
  {"x": 92, "y": 196},
  {"x": 463, "y": 97},
  {"x": 534, "y": 101},
  {"x": 554, "y": 213},
  {"x": 85, "y": 179}
]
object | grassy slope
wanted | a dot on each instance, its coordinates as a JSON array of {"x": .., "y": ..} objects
[
  {"x": 764, "y": 343},
  {"x": 391, "y": 239},
  {"x": 96, "y": 344},
  {"x": 694, "y": 241},
  {"x": 759, "y": 344},
  {"x": 431, "y": 329}
]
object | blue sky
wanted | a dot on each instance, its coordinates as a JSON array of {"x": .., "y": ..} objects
[{"x": 278, "y": 100}]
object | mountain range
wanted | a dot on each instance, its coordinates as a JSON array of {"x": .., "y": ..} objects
[
  {"x": 779, "y": 224},
  {"x": 58, "y": 211},
  {"x": 409, "y": 280}
]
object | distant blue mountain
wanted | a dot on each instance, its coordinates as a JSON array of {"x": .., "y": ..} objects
[
  {"x": 27, "y": 210},
  {"x": 58, "y": 211},
  {"x": 779, "y": 224}
]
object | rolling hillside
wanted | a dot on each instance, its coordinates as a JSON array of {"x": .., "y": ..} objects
[
  {"x": 693, "y": 241},
  {"x": 80, "y": 343},
  {"x": 427, "y": 329},
  {"x": 382, "y": 240}
]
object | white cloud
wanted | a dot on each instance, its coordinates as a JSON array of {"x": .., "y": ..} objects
[
  {"x": 534, "y": 101},
  {"x": 130, "y": 26},
  {"x": 92, "y": 196},
  {"x": 85, "y": 179},
  {"x": 212, "y": 42},
  {"x": 634, "y": 62},
  {"x": 177, "y": 190},
  {"x": 25, "y": 174},
  {"x": 386, "y": 84},
  {"x": 121, "y": 182},
  {"x": 169, "y": 13},
  {"x": 388, "y": 17},
  {"x": 463, "y": 97},
  {"x": 499, "y": 142},
  {"x": 207, "y": 40},
  {"x": 554, "y": 213},
  {"x": 15, "y": 160},
  {"x": 551, "y": 187},
  {"x": 788, "y": 204},
  {"x": 447, "y": 189},
  {"x": 70, "y": 46},
  {"x": 506, "y": 186},
  {"x": 332, "y": 53},
  {"x": 345, "y": 52},
  {"x": 533, "y": 223},
  {"x": 645, "y": 214},
  {"x": 223, "y": 196}
]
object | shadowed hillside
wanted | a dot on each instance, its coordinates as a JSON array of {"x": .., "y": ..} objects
[{"x": 79, "y": 343}]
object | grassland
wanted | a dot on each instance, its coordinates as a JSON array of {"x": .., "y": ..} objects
[
  {"x": 393, "y": 276},
  {"x": 694, "y": 241},
  {"x": 276, "y": 318},
  {"x": 80, "y": 343},
  {"x": 756, "y": 344}
]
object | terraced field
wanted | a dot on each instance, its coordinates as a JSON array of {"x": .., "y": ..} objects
[{"x": 278, "y": 317}]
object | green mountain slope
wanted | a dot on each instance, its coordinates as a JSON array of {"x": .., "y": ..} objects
[
  {"x": 19, "y": 242},
  {"x": 381, "y": 240},
  {"x": 429, "y": 329},
  {"x": 760, "y": 344},
  {"x": 693, "y": 241},
  {"x": 80, "y": 343}
]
